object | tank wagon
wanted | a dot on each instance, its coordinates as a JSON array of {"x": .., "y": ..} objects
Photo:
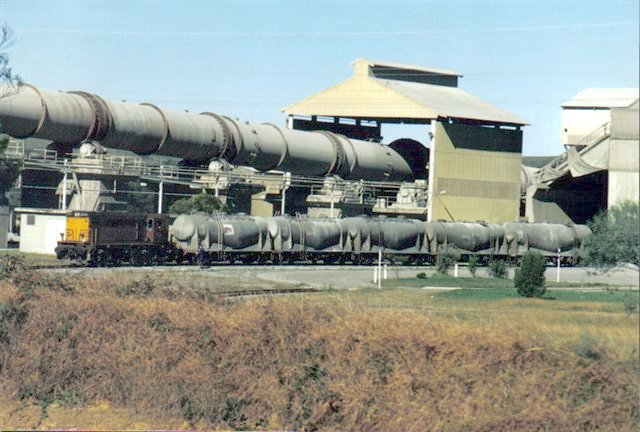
[
  {"x": 115, "y": 238},
  {"x": 551, "y": 240},
  {"x": 231, "y": 238}
]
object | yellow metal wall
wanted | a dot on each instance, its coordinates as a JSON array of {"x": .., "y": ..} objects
[
  {"x": 476, "y": 173},
  {"x": 77, "y": 229}
]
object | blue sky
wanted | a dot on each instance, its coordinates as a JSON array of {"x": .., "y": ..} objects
[{"x": 249, "y": 59}]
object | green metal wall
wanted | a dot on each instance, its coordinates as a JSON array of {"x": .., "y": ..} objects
[{"x": 476, "y": 173}]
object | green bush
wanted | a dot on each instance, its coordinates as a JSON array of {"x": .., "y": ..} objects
[
  {"x": 498, "y": 269},
  {"x": 447, "y": 257},
  {"x": 529, "y": 279},
  {"x": 615, "y": 237},
  {"x": 630, "y": 303},
  {"x": 202, "y": 202},
  {"x": 421, "y": 275}
]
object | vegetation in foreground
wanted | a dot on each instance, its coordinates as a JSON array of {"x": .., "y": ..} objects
[
  {"x": 362, "y": 360},
  {"x": 439, "y": 280}
]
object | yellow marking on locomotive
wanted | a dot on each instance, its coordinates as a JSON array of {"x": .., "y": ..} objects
[{"x": 77, "y": 229}]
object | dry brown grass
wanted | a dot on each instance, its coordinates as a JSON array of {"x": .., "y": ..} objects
[{"x": 312, "y": 362}]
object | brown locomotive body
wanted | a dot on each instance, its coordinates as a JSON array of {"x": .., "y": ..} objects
[{"x": 114, "y": 238}]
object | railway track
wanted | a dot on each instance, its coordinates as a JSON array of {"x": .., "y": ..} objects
[
  {"x": 266, "y": 292},
  {"x": 296, "y": 264},
  {"x": 52, "y": 266}
]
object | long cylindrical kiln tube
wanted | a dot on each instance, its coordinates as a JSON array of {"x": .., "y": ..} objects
[{"x": 71, "y": 118}]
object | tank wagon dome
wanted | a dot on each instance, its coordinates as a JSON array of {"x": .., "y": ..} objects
[{"x": 185, "y": 227}]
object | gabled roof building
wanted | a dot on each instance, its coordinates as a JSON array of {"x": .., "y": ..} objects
[{"x": 471, "y": 151}]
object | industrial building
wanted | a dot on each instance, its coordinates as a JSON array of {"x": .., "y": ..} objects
[
  {"x": 600, "y": 165},
  {"x": 474, "y": 152}
]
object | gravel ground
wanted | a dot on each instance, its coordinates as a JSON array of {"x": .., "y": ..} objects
[
  {"x": 358, "y": 277},
  {"x": 347, "y": 277}
]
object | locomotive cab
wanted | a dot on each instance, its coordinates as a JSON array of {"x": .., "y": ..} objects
[
  {"x": 76, "y": 239},
  {"x": 157, "y": 229}
]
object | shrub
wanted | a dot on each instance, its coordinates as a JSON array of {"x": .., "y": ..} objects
[
  {"x": 421, "y": 275},
  {"x": 529, "y": 279},
  {"x": 498, "y": 269},
  {"x": 12, "y": 267},
  {"x": 447, "y": 256},
  {"x": 473, "y": 264},
  {"x": 588, "y": 347},
  {"x": 13, "y": 312},
  {"x": 615, "y": 236},
  {"x": 15, "y": 271},
  {"x": 630, "y": 304},
  {"x": 142, "y": 287},
  {"x": 202, "y": 202}
]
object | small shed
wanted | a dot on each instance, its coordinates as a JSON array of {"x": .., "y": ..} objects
[{"x": 40, "y": 229}]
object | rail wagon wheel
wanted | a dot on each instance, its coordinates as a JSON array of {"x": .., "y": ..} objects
[
  {"x": 160, "y": 257},
  {"x": 143, "y": 257},
  {"x": 155, "y": 258},
  {"x": 137, "y": 258},
  {"x": 177, "y": 256},
  {"x": 202, "y": 259},
  {"x": 114, "y": 259},
  {"x": 108, "y": 259},
  {"x": 99, "y": 258}
]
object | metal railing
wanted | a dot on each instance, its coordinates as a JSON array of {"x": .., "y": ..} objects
[
  {"x": 595, "y": 137},
  {"x": 558, "y": 166},
  {"x": 362, "y": 192}
]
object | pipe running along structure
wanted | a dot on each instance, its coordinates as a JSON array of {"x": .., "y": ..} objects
[{"x": 73, "y": 117}]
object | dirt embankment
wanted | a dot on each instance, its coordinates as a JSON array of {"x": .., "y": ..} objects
[{"x": 290, "y": 364}]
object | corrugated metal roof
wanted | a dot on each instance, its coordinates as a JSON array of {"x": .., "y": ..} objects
[
  {"x": 603, "y": 98},
  {"x": 452, "y": 102},
  {"x": 410, "y": 67},
  {"x": 367, "y": 96}
]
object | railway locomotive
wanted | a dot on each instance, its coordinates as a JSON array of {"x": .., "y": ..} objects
[
  {"x": 109, "y": 239},
  {"x": 115, "y": 238}
]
